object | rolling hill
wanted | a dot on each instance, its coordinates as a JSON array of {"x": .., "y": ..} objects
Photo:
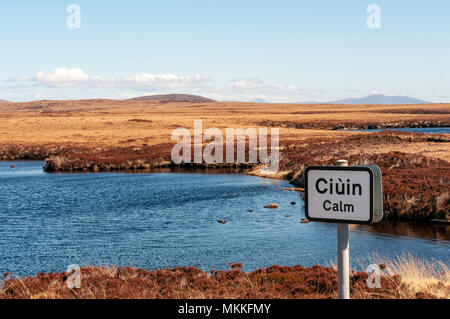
[
  {"x": 166, "y": 98},
  {"x": 380, "y": 99}
]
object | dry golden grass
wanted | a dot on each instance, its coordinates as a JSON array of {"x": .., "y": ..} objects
[
  {"x": 133, "y": 123},
  {"x": 418, "y": 277}
]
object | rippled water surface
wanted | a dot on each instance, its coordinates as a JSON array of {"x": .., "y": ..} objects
[{"x": 156, "y": 220}]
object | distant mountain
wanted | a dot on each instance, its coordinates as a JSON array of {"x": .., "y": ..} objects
[
  {"x": 259, "y": 101},
  {"x": 166, "y": 98},
  {"x": 4, "y": 101},
  {"x": 380, "y": 99}
]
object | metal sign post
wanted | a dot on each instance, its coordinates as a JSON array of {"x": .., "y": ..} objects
[
  {"x": 343, "y": 254},
  {"x": 343, "y": 195}
]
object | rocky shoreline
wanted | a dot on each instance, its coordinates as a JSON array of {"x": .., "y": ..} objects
[{"x": 18, "y": 152}]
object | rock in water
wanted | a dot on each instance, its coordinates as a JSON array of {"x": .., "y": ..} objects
[
  {"x": 297, "y": 189},
  {"x": 222, "y": 221},
  {"x": 293, "y": 203},
  {"x": 272, "y": 206},
  {"x": 12, "y": 166},
  {"x": 305, "y": 221}
]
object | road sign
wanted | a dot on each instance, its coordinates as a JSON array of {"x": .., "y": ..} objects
[
  {"x": 343, "y": 195},
  {"x": 338, "y": 194}
]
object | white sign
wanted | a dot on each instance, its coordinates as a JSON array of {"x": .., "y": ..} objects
[{"x": 340, "y": 194}]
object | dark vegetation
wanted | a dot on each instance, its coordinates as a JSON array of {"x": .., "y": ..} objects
[
  {"x": 352, "y": 125},
  {"x": 190, "y": 282}
]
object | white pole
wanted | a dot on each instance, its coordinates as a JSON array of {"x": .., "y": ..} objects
[{"x": 343, "y": 255}]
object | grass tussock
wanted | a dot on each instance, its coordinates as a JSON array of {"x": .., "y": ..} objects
[
  {"x": 403, "y": 277},
  {"x": 420, "y": 278}
]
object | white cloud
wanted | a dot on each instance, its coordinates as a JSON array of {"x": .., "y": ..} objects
[
  {"x": 103, "y": 81},
  {"x": 243, "y": 89},
  {"x": 71, "y": 77},
  {"x": 76, "y": 77},
  {"x": 20, "y": 78},
  {"x": 145, "y": 78},
  {"x": 62, "y": 76},
  {"x": 256, "y": 84},
  {"x": 247, "y": 89},
  {"x": 145, "y": 81},
  {"x": 247, "y": 83}
]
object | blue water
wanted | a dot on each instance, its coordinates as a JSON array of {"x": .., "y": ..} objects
[
  {"x": 435, "y": 130},
  {"x": 156, "y": 220}
]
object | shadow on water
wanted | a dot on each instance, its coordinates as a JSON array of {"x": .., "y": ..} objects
[{"x": 408, "y": 229}]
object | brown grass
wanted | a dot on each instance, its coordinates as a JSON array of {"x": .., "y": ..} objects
[
  {"x": 131, "y": 123},
  {"x": 404, "y": 277}
]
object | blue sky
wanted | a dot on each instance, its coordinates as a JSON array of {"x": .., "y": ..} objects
[{"x": 279, "y": 51}]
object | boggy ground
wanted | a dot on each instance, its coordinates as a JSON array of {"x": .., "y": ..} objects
[
  {"x": 102, "y": 135},
  {"x": 405, "y": 277}
]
